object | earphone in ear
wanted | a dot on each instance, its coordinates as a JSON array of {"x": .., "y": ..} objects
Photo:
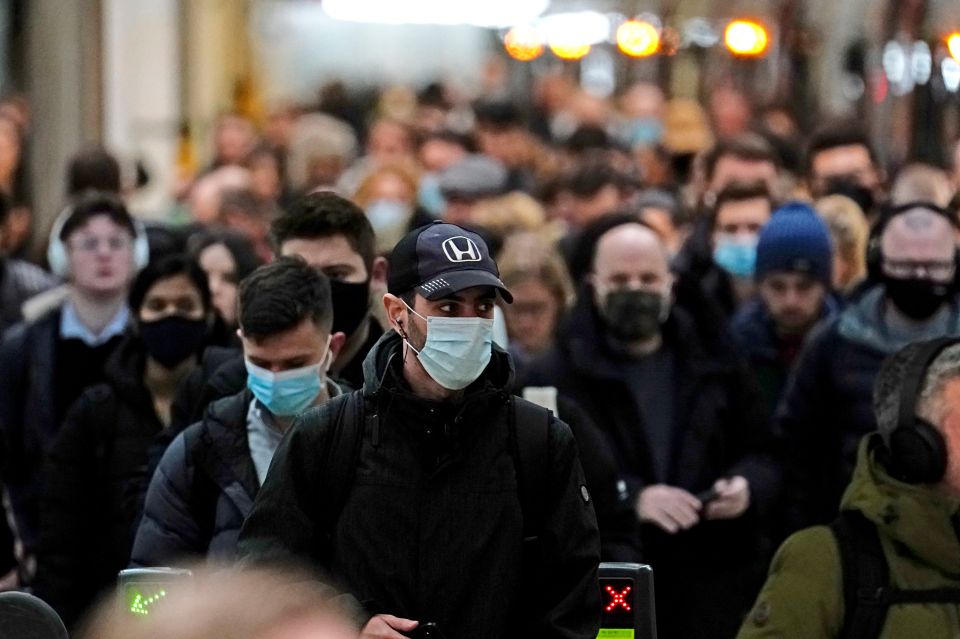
[{"x": 59, "y": 262}]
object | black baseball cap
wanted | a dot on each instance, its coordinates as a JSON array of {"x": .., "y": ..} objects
[{"x": 441, "y": 259}]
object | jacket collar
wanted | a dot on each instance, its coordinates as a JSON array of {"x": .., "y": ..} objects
[{"x": 593, "y": 354}]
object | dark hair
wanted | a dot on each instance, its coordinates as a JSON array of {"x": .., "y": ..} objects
[
  {"x": 93, "y": 168},
  {"x": 326, "y": 214},
  {"x": 90, "y": 204},
  {"x": 593, "y": 175},
  {"x": 451, "y": 137},
  {"x": 5, "y": 207},
  {"x": 165, "y": 268},
  {"x": 497, "y": 114},
  {"x": 837, "y": 134},
  {"x": 243, "y": 201},
  {"x": 588, "y": 138},
  {"x": 747, "y": 146},
  {"x": 240, "y": 248},
  {"x": 278, "y": 296},
  {"x": 740, "y": 191}
]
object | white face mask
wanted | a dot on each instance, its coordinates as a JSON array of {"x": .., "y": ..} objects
[{"x": 457, "y": 349}]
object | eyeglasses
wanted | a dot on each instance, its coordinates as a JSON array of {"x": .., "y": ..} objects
[
  {"x": 91, "y": 244},
  {"x": 940, "y": 270}
]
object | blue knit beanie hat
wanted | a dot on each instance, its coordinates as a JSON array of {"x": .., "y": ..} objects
[{"x": 795, "y": 240}]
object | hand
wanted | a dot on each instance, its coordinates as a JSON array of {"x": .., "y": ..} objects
[
  {"x": 387, "y": 627},
  {"x": 672, "y": 509},
  {"x": 733, "y": 498}
]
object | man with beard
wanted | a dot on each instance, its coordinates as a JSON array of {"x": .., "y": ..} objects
[
  {"x": 685, "y": 420},
  {"x": 793, "y": 271}
]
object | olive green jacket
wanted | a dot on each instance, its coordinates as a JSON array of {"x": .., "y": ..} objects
[{"x": 803, "y": 595}]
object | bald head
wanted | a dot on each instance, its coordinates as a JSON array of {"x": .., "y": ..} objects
[
  {"x": 918, "y": 236},
  {"x": 631, "y": 256}
]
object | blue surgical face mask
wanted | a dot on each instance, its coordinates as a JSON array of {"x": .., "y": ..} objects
[
  {"x": 429, "y": 196},
  {"x": 457, "y": 349},
  {"x": 287, "y": 393},
  {"x": 388, "y": 216},
  {"x": 645, "y": 131},
  {"x": 736, "y": 255}
]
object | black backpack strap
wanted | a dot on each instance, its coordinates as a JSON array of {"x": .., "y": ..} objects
[
  {"x": 866, "y": 576},
  {"x": 531, "y": 428},
  {"x": 344, "y": 417}
]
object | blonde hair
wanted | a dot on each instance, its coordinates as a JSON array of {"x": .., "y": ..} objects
[
  {"x": 527, "y": 256},
  {"x": 406, "y": 171},
  {"x": 849, "y": 232},
  {"x": 511, "y": 213},
  {"x": 228, "y": 604}
]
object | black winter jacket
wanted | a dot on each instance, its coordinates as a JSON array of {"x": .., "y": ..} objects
[
  {"x": 202, "y": 490},
  {"x": 27, "y": 420},
  {"x": 432, "y": 529},
  {"x": 721, "y": 428},
  {"x": 93, "y": 478}
]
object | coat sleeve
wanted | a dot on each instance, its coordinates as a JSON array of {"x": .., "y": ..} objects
[
  {"x": 283, "y": 526},
  {"x": 619, "y": 528},
  {"x": 801, "y": 426},
  {"x": 168, "y": 530},
  {"x": 67, "y": 516},
  {"x": 803, "y": 595},
  {"x": 752, "y": 432},
  {"x": 570, "y": 546}
]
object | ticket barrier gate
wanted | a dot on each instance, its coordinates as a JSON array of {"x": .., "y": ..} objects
[{"x": 627, "y": 598}]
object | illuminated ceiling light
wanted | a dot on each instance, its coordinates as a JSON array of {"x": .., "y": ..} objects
[
  {"x": 746, "y": 38},
  {"x": 570, "y": 50},
  {"x": 953, "y": 45},
  {"x": 581, "y": 27},
  {"x": 489, "y": 13},
  {"x": 638, "y": 38},
  {"x": 523, "y": 43}
]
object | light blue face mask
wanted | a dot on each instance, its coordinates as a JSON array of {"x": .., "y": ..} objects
[
  {"x": 288, "y": 392},
  {"x": 457, "y": 349},
  {"x": 388, "y": 216},
  {"x": 429, "y": 195},
  {"x": 737, "y": 256}
]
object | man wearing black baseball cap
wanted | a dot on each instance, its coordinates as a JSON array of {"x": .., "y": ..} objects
[{"x": 449, "y": 516}]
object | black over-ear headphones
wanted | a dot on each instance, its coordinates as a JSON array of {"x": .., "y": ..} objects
[
  {"x": 875, "y": 252},
  {"x": 918, "y": 452}
]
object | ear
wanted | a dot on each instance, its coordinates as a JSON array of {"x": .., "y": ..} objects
[
  {"x": 337, "y": 340},
  {"x": 378, "y": 274},
  {"x": 395, "y": 308}
]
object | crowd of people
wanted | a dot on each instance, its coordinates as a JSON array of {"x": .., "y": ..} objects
[{"x": 338, "y": 350}]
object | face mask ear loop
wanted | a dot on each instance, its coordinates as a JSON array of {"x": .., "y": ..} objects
[{"x": 403, "y": 333}]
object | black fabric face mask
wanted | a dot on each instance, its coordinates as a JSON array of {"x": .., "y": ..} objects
[
  {"x": 849, "y": 187},
  {"x": 173, "y": 339},
  {"x": 633, "y": 315},
  {"x": 351, "y": 302},
  {"x": 917, "y": 298}
]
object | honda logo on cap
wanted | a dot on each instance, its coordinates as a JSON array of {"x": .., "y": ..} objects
[{"x": 461, "y": 249}]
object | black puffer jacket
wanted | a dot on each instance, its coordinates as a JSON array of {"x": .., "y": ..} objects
[
  {"x": 201, "y": 492},
  {"x": 432, "y": 527},
  {"x": 94, "y": 476}
]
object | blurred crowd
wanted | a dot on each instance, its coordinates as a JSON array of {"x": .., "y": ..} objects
[{"x": 703, "y": 292}]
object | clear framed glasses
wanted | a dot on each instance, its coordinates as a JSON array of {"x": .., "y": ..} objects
[
  {"x": 91, "y": 243},
  {"x": 936, "y": 270}
]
